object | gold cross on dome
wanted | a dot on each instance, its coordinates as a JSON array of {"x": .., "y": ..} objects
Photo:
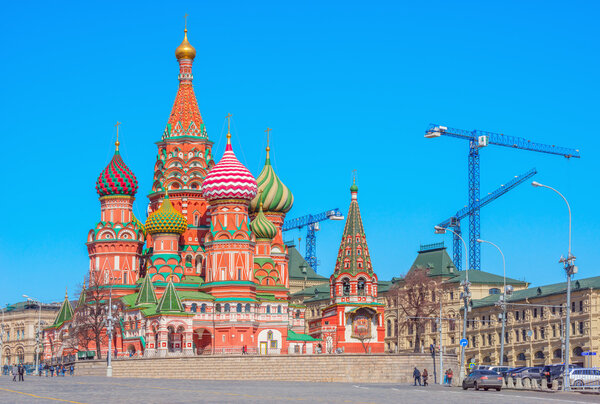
[
  {"x": 185, "y": 20},
  {"x": 354, "y": 176},
  {"x": 228, "y": 117},
  {"x": 268, "y": 131}
]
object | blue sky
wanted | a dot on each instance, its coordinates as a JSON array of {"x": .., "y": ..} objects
[{"x": 344, "y": 85}]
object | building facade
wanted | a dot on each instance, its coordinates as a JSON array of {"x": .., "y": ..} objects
[
  {"x": 208, "y": 270},
  {"x": 18, "y": 330}
]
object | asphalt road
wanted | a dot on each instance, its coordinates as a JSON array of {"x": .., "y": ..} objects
[{"x": 92, "y": 390}]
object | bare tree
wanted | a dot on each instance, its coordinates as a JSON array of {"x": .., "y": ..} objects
[
  {"x": 90, "y": 318},
  {"x": 416, "y": 300}
]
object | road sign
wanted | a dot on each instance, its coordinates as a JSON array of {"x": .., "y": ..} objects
[
  {"x": 464, "y": 342},
  {"x": 588, "y": 353},
  {"x": 471, "y": 365},
  {"x": 529, "y": 333}
]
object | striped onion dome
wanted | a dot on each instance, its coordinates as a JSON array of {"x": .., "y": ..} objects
[
  {"x": 116, "y": 178},
  {"x": 276, "y": 197},
  {"x": 166, "y": 219},
  {"x": 262, "y": 227},
  {"x": 229, "y": 179}
]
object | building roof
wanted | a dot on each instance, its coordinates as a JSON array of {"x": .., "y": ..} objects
[
  {"x": 435, "y": 258},
  {"x": 276, "y": 197},
  {"x": 318, "y": 292},
  {"x": 146, "y": 294},
  {"x": 540, "y": 291},
  {"x": 166, "y": 219},
  {"x": 65, "y": 313},
  {"x": 170, "y": 301},
  {"x": 485, "y": 278},
  {"x": 296, "y": 261},
  {"x": 262, "y": 227},
  {"x": 116, "y": 178},
  {"x": 293, "y": 336}
]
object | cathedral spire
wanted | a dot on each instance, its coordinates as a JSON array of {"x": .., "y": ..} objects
[
  {"x": 353, "y": 255},
  {"x": 185, "y": 119}
]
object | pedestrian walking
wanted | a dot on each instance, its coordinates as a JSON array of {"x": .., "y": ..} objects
[
  {"x": 40, "y": 369},
  {"x": 71, "y": 369},
  {"x": 450, "y": 377},
  {"x": 417, "y": 376},
  {"x": 446, "y": 376},
  {"x": 15, "y": 372},
  {"x": 51, "y": 371},
  {"x": 425, "y": 376},
  {"x": 21, "y": 372}
]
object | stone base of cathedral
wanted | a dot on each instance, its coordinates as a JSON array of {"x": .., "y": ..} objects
[{"x": 345, "y": 368}]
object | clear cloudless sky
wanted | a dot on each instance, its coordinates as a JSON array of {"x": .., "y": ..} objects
[{"x": 344, "y": 85}]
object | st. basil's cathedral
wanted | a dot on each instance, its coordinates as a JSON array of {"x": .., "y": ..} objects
[{"x": 208, "y": 271}]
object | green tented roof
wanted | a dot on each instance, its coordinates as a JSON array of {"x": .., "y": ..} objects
[
  {"x": 146, "y": 294},
  {"x": 82, "y": 297},
  {"x": 295, "y": 271},
  {"x": 170, "y": 302},
  {"x": 292, "y": 336},
  {"x": 435, "y": 259},
  {"x": 65, "y": 313},
  {"x": 540, "y": 291},
  {"x": 486, "y": 278}
]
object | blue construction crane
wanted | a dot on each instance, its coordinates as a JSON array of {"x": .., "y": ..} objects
[
  {"x": 478, "y": 139},
  {"x": 454, "y": 221},
  {"x": 312, "y": 222}
]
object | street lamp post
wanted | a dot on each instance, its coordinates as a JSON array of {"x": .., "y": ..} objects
[
  {"x": 570, "y": 270},
  {"x": 505, "y": 291},
  {"x": 1, "y": 339},
  {"x": 37, "y": 337},
  {"x": 466, "y": 295},
  {"x": 109, "y": 330}
]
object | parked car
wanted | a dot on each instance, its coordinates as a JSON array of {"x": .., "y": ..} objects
[
  {"x": 530, "y": 373},
  {"x": 512, "y": 372},
  {"x": 584, "y": 377},
  {"x": 481, "y": 367},
  {"x": 500, "y": 369},
  {"x": 482, "y": 378},
  {"x": 517, "y": 373},
  {"x": 555, "y": 372}
]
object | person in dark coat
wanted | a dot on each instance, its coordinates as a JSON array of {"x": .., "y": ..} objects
[
  {"x": 417, "y": 376},
  {"x": 21, "y": 373}
]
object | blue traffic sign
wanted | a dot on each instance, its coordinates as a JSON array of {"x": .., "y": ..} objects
[
  {"x": 588, "y": 353},
  {"x": 464, "y": 342}
]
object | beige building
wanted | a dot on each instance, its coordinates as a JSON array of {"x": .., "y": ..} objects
[
  {"x": 536, "y": 324},
  {"x": 435, "y": 258},
  {"x": 18, "y": 327}
]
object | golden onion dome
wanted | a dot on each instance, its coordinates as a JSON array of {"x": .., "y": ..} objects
[
  {"x": 185, "y": 50},
  {"x": 166, "y": 219}
]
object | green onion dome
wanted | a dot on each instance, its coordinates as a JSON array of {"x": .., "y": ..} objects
[
  {"x": 139, "y": 224},
  {"x": 116, "y": 178},
  {"x": 262, "y": 227},
  {"x": 166, "y": 219},
  {"x": 354, "y": 188},
  {"x": 276, "y": 197}
]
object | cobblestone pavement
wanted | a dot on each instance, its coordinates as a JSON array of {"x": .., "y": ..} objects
[{"x": 91, "y": 390}]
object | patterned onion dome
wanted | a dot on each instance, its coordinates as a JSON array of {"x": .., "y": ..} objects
[
  {"x": 139, "y": 224},
  {"x": 276, "y": 197},
  {"x": 166, "y": 219},
  {"x": 262, "y": 227},
  {"x": 117, "y": 178},
  {"x": 229, "y": 179}
]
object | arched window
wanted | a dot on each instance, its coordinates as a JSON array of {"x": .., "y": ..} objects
[
  {"x": 188, "y": 260},
  {"x": 557, "y": 354},
  {"x": 247, "y": 307},
  {"x": 539, "y": 355},
  {"x": 227, "y": 308},
  {"x": 577, "y": 351},
  {"x": 268, "y": 309},
  {"x": 346, "y": 287},
  {"x": 389, "y": 328},
  {"x": 361, "y": 287},
  {"x": 194, "y": 307},
  {"x": 239, "y": 308},
  {"x": 279, "y": 309},
  {"x": 521, "y": 356},
  {"x": 218, "y": 307},
  {"x": 203, "y": 308}
]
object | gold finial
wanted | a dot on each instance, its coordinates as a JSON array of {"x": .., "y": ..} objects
[
  {"x": 268, "y": 131},
  {"x": 66, "y": 294},
  {"x": 354, "y": 176},
  {"x": 117, "y": 142},
  {"x": 228, "y": 117},
  {"x": 185, "y": 50},
  {"x": 84, "y": 283}
]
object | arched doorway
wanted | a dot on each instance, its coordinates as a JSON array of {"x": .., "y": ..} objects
[{"x": 202, "y": 340}]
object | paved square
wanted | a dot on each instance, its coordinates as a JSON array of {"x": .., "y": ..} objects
[{"x": 96, "y": 390}]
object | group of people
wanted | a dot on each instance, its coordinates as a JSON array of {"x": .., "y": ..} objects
[
  {"x": 59, "y": 369},
  {"x": 417, "y": 375},
  {"x": 18, "y": 371}
]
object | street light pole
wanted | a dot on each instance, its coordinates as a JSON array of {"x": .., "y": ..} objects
[
  {"x": 503, "y": 300},
  {"x": 37, "y": 343},
  {"x": 1, "y": 339},
  {"x": 441, "y": 295},
  {"x": 466, "y": 295},
  {"x": 109, "y": 330},
  {"x": 570, "y": 269}
]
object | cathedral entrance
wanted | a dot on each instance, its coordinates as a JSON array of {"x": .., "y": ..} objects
[{"x": 202, "y": 340}]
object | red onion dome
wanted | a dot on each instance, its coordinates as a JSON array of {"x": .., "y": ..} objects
[
  {"x": 229, "y": 179},
  {"x": 117, "y": 178}
]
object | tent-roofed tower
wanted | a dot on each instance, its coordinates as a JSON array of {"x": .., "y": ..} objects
[
  {"x": 184, "y": 159},
  {"x": 355, "y": 316}
]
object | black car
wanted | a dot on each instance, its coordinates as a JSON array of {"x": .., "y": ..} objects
[
  {"x": 512, "y": 372},
  {"x": 554, "y": 372}
]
